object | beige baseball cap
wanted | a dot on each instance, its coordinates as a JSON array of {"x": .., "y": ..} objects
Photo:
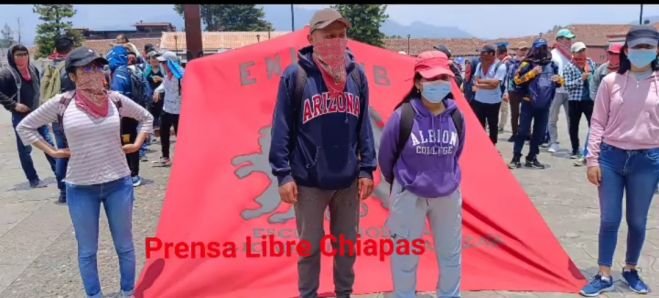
[{"x": 325, "y": 17}]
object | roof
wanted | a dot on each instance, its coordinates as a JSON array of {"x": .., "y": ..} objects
[
  {"x": 213, "y": 41},
  {"x": 102, "y": 46},
  {"x": 593, "y": 35},
  {"x": 153, "y": 24}
]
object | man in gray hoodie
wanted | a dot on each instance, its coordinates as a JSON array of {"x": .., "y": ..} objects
[{"x": 19, "y": 94}]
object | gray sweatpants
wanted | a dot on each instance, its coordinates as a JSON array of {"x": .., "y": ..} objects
[
  {"x": 407, "y": 220},
  {"x": 560, "y": 99},
  {"x": 344, "y": 221}
]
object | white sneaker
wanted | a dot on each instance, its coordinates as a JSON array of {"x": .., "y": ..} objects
[{"x": 553, "y": 148}]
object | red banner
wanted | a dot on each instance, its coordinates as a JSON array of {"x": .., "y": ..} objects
[{"x": 222, "y": 195}]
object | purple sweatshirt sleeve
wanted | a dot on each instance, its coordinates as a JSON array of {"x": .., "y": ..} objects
[{"x": 388, "y": 146}]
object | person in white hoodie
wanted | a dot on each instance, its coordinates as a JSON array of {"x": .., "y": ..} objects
[{"x": 561, "y": 55}]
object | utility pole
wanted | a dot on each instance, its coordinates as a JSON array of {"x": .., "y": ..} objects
[
  {"x": 640, "y": 17},
  {"x": 292, "y": 18},
  {"x": 193, "y": 38},
  {"x": 19, "y": 31}
]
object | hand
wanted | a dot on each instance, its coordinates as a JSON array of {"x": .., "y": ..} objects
[
  {"x": 60, "y": 153},
  {"x": 130, "y": 148},
  {"x": 21, "y": 108},
  {"x": 365, "y": 188},
  {"x": 555, "y": 78},
  {"x": 156, "y": 97},
  {"x": 595, "y": 175},
  {"x": 585, "y": 76},
  {"x": 157, "y": 79},
  {"x": 506, "y": 98},
  {"x": 537, "y": 69},
  {"x": 288, "y": 192}
]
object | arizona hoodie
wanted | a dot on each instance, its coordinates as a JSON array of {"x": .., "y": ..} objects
[
  {"x": 428, "y": 165},
  {"x": 14, "y": 88},
  {"x": 318, "y": 141}
]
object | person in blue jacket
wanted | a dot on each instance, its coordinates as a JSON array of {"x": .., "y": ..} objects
[
  {"x": 122, "y": 82},
  {"x": 322, "y": 149}
]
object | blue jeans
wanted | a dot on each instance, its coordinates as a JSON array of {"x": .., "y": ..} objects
[
  {"x": 585, "y": 146},
  {"x": 24, "y": 152},
  {"x": 60, "y": 163},
  {"x": 539, "y": 117},
  {"x": 636, "y": 173},
  {"x": 84, "y": 203}
]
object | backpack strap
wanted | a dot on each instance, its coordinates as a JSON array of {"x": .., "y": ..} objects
[
  {"x": 63, "y": 103},
  {"x": 458, "y": 121},
  {"x": 300, "y": 84},
  {"x": 407, "y": 116}
]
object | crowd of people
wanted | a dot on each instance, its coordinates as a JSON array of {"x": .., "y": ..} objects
[{"x": 103, "y": 112}]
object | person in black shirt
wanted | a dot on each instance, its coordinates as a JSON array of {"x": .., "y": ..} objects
[
  {"x": 19, "y": 94},
  {"x": 154, "y": 75}
]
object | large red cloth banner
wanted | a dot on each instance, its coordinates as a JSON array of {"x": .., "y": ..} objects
[{"x": 221, "y": 193}]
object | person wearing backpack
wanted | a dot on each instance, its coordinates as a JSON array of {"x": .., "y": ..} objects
[
  {"x": 490, "y": 74},
  {"x": 55, "y": 81},
  {"x": 419, "y": 155},
  {"x": 516, "y": 92},
  {"x": 170, "y": 92},
  {"x": 623, "y": 156},
  {"x": 19, "y": 94},
  {"x": 323, "y": 155},
  {"x": 539, "y": 75},
  {"x": 455, "y": 68},
  {"x": 578, "y": 75},
  {"x": 97, "y": 174},
  {"x": 129, "y": 81}
]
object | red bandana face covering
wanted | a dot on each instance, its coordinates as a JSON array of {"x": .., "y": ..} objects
[
  {"x": 91, "y": 96},
  {"x": 330, "y": 56}
]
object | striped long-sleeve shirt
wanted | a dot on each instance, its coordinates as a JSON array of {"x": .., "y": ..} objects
[{"x": 95, "y": 144}]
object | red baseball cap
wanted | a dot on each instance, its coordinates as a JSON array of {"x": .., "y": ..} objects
[
  {"x": 615, "y": 48},
  {"x": 431, "y": 64}
]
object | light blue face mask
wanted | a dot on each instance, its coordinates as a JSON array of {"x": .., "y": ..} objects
[
  {"x": 642, "y": 57},
  {"x": 434, "y": 92}
]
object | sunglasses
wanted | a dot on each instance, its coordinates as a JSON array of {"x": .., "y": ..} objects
[{"x": 91, "y": 68}]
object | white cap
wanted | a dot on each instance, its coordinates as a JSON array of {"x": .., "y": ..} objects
[
  {"x": 402, "y": 53},
  {"x": 578, "y": 46},
  {"x": 167, "y": 56}
]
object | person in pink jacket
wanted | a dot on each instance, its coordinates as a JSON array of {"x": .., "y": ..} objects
[{"x": 624, "y": 154}]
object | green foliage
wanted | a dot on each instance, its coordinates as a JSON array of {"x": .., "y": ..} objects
[
  {"x": 231, "y": 17},
  {"x": 366, "y": 20},
  {"x": 54, "y": 24},
  {"x": 6, "y": 37}
]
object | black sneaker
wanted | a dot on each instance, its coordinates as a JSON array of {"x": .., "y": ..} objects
[
  {"x": 511, "y": 139},
  {"x": 61, "y": 199},
  {"x": 38, "y": 184},
  {"x": 515, "y": 164},
  {"x": 534, "y": 164}
]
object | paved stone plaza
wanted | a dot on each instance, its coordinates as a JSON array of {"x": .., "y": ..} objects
[{"x": 38, "y": 250}]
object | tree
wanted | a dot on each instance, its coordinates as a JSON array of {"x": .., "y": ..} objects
[
  {"x": 7, "y": 37},
  {"x": 53, "y": 26},
  {"x": 231, "y": 17},
  {"x": 366, "y": 20}
]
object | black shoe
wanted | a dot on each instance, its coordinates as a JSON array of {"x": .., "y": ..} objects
[
  {"x": 37, "y": 184},
  {"x": 534, "y": 164},
  {"x": 512, "y": 139},
  {"x": 515, "y": 164},
  {"x": 61, "y": 199}
]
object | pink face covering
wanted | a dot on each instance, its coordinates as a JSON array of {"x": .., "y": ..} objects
[
  {"x": 330, "y": 56},
  {"x": 91, "y": 96},
  {"x": 22, "y": 63}
]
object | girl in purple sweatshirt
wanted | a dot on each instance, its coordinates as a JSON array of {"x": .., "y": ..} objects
[{"x": 425, "y": 176}]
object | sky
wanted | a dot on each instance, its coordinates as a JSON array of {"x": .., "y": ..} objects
[
  {"x": 522, "y": 20},
  {"x": 483, "y": 21}
]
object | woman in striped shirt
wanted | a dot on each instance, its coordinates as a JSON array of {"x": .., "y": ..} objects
[{"x": 97, "y": 171}]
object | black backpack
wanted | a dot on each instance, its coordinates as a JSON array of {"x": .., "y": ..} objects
[
  {"x": 138, "y": 86},
  {"x": 407, "y": 116},
  {"x": 301, "y": 83}
]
